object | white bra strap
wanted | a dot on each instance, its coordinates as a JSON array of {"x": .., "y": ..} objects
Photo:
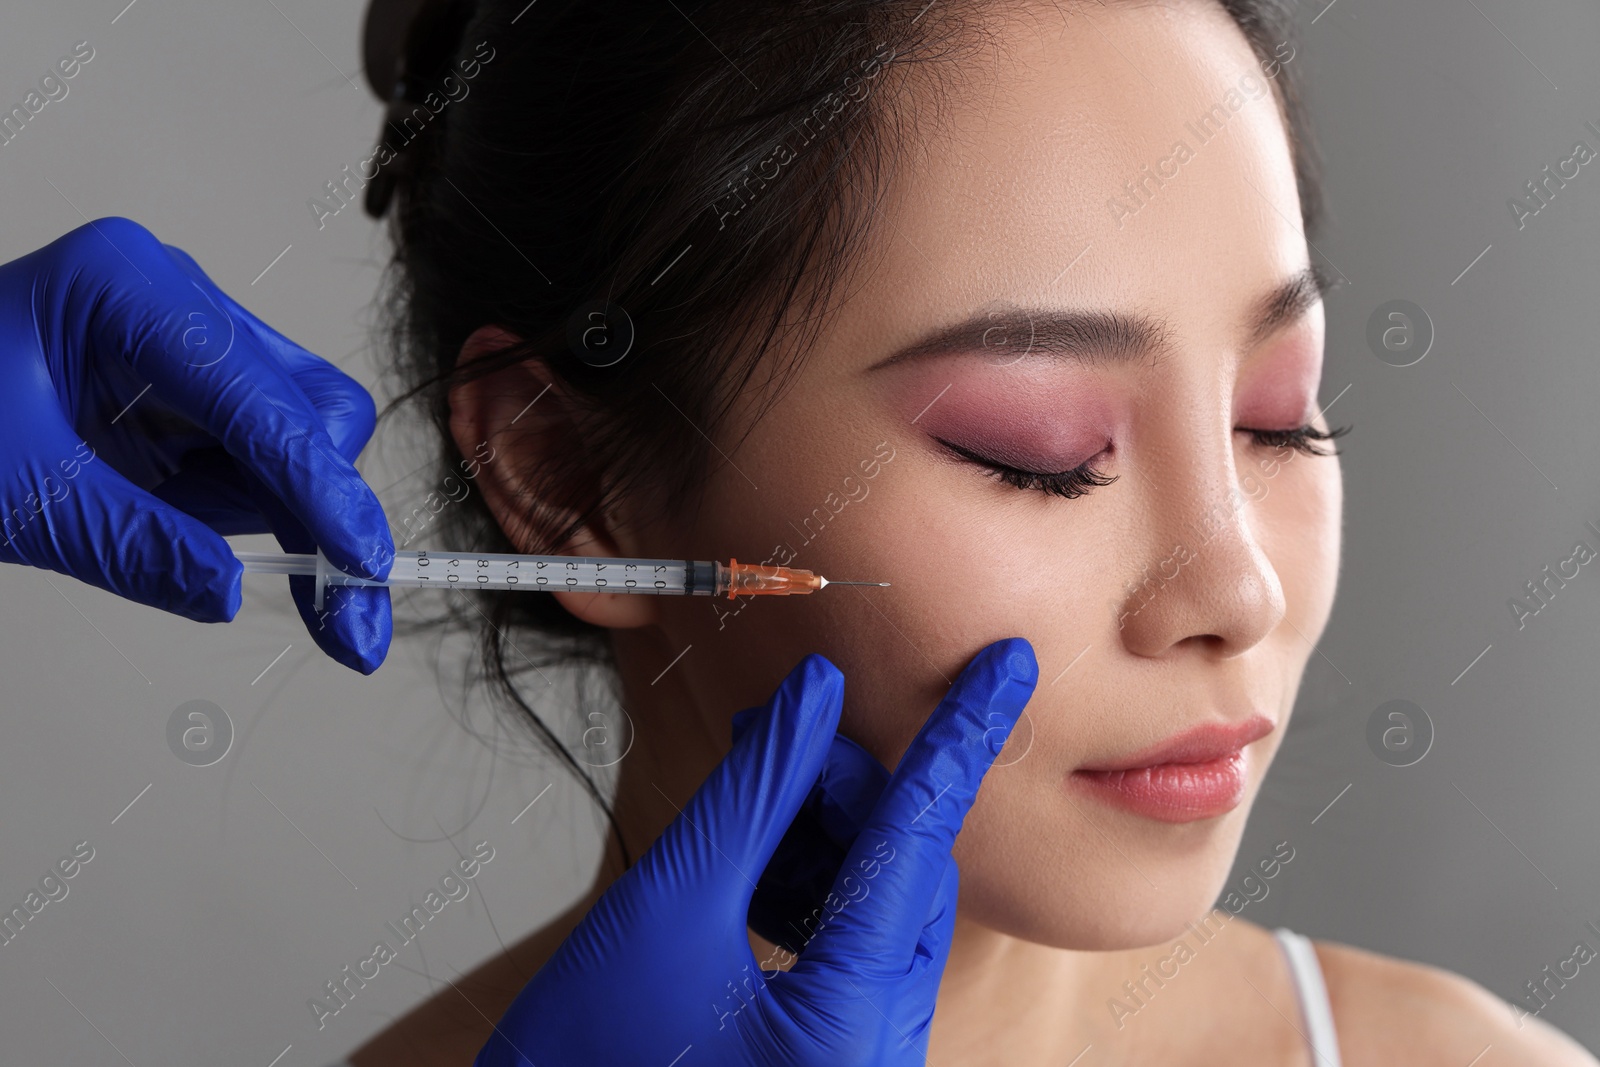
[{"x": 1312, "y": 993}]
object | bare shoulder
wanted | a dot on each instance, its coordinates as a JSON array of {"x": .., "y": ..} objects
[{"x": 1388, "y": 1010}]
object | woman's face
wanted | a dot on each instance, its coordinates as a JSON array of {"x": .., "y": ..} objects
[{"x": 1187, "y": 592}]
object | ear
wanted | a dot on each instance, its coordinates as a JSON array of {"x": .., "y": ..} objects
[{"x": 520, "y": 416}]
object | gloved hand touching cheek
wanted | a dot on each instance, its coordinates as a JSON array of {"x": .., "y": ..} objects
[{"x": 661, "y": 967}]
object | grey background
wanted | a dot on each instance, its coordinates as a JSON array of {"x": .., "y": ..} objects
[{"x": 226, "y": 895}]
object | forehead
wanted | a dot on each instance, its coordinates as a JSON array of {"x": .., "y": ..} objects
[{"x": 1123, "y": 156}]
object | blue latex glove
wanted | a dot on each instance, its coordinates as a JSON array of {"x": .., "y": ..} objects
[
  {"x": 144, "y": 414},
  {"x": 661, "y": 965},
  {"x": 808, "y": 859}
]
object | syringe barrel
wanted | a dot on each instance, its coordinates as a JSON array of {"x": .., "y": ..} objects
[{"x": 576, "y": 574}]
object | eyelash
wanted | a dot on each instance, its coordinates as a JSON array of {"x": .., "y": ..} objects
[{"x": 1081, "y": 479}]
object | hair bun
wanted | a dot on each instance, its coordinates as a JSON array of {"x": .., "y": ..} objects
[{"x": 404, "y": 45}]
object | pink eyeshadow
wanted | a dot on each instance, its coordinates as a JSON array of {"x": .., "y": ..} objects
[
  {"x": 1011, "y": 416},
  {"x": 1283, "y": 392}
]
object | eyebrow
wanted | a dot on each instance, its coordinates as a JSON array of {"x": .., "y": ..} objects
[{"x": 1098, "y": 337}]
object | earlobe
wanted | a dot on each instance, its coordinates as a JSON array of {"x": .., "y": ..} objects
[
  {"x": 614, "y": 611},
  {"x": 519, "y": 417}
]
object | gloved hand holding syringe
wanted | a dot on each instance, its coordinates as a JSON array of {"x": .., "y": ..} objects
[
  {"x": 145, "y": 417},
  {"x": 572, "y": 574}
]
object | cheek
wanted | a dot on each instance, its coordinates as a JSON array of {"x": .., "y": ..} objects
[{"x": 970, "y": 563}]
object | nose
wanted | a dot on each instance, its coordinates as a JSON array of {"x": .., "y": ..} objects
[{"x": 1212, "y": 586}]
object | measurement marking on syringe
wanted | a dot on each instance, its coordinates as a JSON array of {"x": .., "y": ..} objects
[{"x": 573, "y": 574}]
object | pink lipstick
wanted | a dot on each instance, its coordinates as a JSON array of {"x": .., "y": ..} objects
[{"x": 1199, "y": 774}]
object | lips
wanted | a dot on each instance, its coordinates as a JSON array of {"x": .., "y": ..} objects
[{"x": 1199, "y": 774}]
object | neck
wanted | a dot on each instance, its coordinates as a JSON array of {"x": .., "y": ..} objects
[
  {"x": 1007, "y": 999},
  {"x": 674, "y": 745}
]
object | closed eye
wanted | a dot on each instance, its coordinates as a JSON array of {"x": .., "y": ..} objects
[
  {"x": 1069, "y": 484},
  {"x": 1302, "y": 438},
  {"x": 1078, "y": 481}
]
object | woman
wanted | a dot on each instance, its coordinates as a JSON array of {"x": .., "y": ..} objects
[{"x": 1010, "y": 305}]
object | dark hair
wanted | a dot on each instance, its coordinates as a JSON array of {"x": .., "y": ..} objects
[{"x": 623, "y": 152}]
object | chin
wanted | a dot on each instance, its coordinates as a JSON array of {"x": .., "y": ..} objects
[{"x": 1066, "y": 886}]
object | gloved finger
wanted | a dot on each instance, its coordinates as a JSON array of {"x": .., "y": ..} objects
[
  {"x": 912, "y": 1010},
  {"x": 803, "y": 867},
  {"x": 845, "y": 792},
  {"x": 873, "y": 925},
  {"x": 347, "y": 410},
  {"x": 909, "y": 1003},
  {"x": 203, "y": 357},
  {"x": 100, "y": 528},
  {"x": 727, "y": 832},
  {"x": 938, "y": 930},
  {"x": 355, "y": 624}
]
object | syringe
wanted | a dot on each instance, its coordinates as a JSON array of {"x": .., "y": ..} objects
[{"x": 575, "y": 574}]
